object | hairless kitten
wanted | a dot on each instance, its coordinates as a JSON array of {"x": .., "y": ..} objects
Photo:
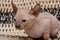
[{"x": 36, "y": 24}]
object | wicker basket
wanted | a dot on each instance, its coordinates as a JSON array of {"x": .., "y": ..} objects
[{"x": 5, "y": 6}]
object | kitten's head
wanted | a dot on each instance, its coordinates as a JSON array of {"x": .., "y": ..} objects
[{"x": 25, "y": 18}]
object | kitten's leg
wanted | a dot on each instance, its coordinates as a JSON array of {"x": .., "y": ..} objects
[
  {"x": 46, "y": 36},
  {"x": 29, "y": 38}
]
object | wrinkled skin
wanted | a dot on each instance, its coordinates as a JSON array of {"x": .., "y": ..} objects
[{"x": 36, "y": 24}]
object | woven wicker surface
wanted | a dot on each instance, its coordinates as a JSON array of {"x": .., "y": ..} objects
[{"x": 5, "y": 6}]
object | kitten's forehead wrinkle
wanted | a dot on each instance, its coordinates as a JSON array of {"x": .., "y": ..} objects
[{"x": 23, "y": 13}]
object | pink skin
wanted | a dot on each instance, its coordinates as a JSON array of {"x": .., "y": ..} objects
[{"x": 36, "y": 24}]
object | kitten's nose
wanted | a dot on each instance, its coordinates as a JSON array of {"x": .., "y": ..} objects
[{"x": 17, "y": 26}]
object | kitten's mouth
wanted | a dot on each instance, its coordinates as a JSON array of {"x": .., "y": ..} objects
[{"x": 17, "y": 27}]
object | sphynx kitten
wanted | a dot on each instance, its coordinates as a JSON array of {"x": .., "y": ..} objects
[{"x": 36, "y": 24}]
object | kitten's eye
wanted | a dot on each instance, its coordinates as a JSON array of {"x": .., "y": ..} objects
[
  {"x": 23, "y": 20},
  {"x": 14, "y": 19}
]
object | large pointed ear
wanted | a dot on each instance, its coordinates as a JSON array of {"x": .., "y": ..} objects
[
  {"x": 35, "y": 10},
  {"x": 14, "y": 8}
]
